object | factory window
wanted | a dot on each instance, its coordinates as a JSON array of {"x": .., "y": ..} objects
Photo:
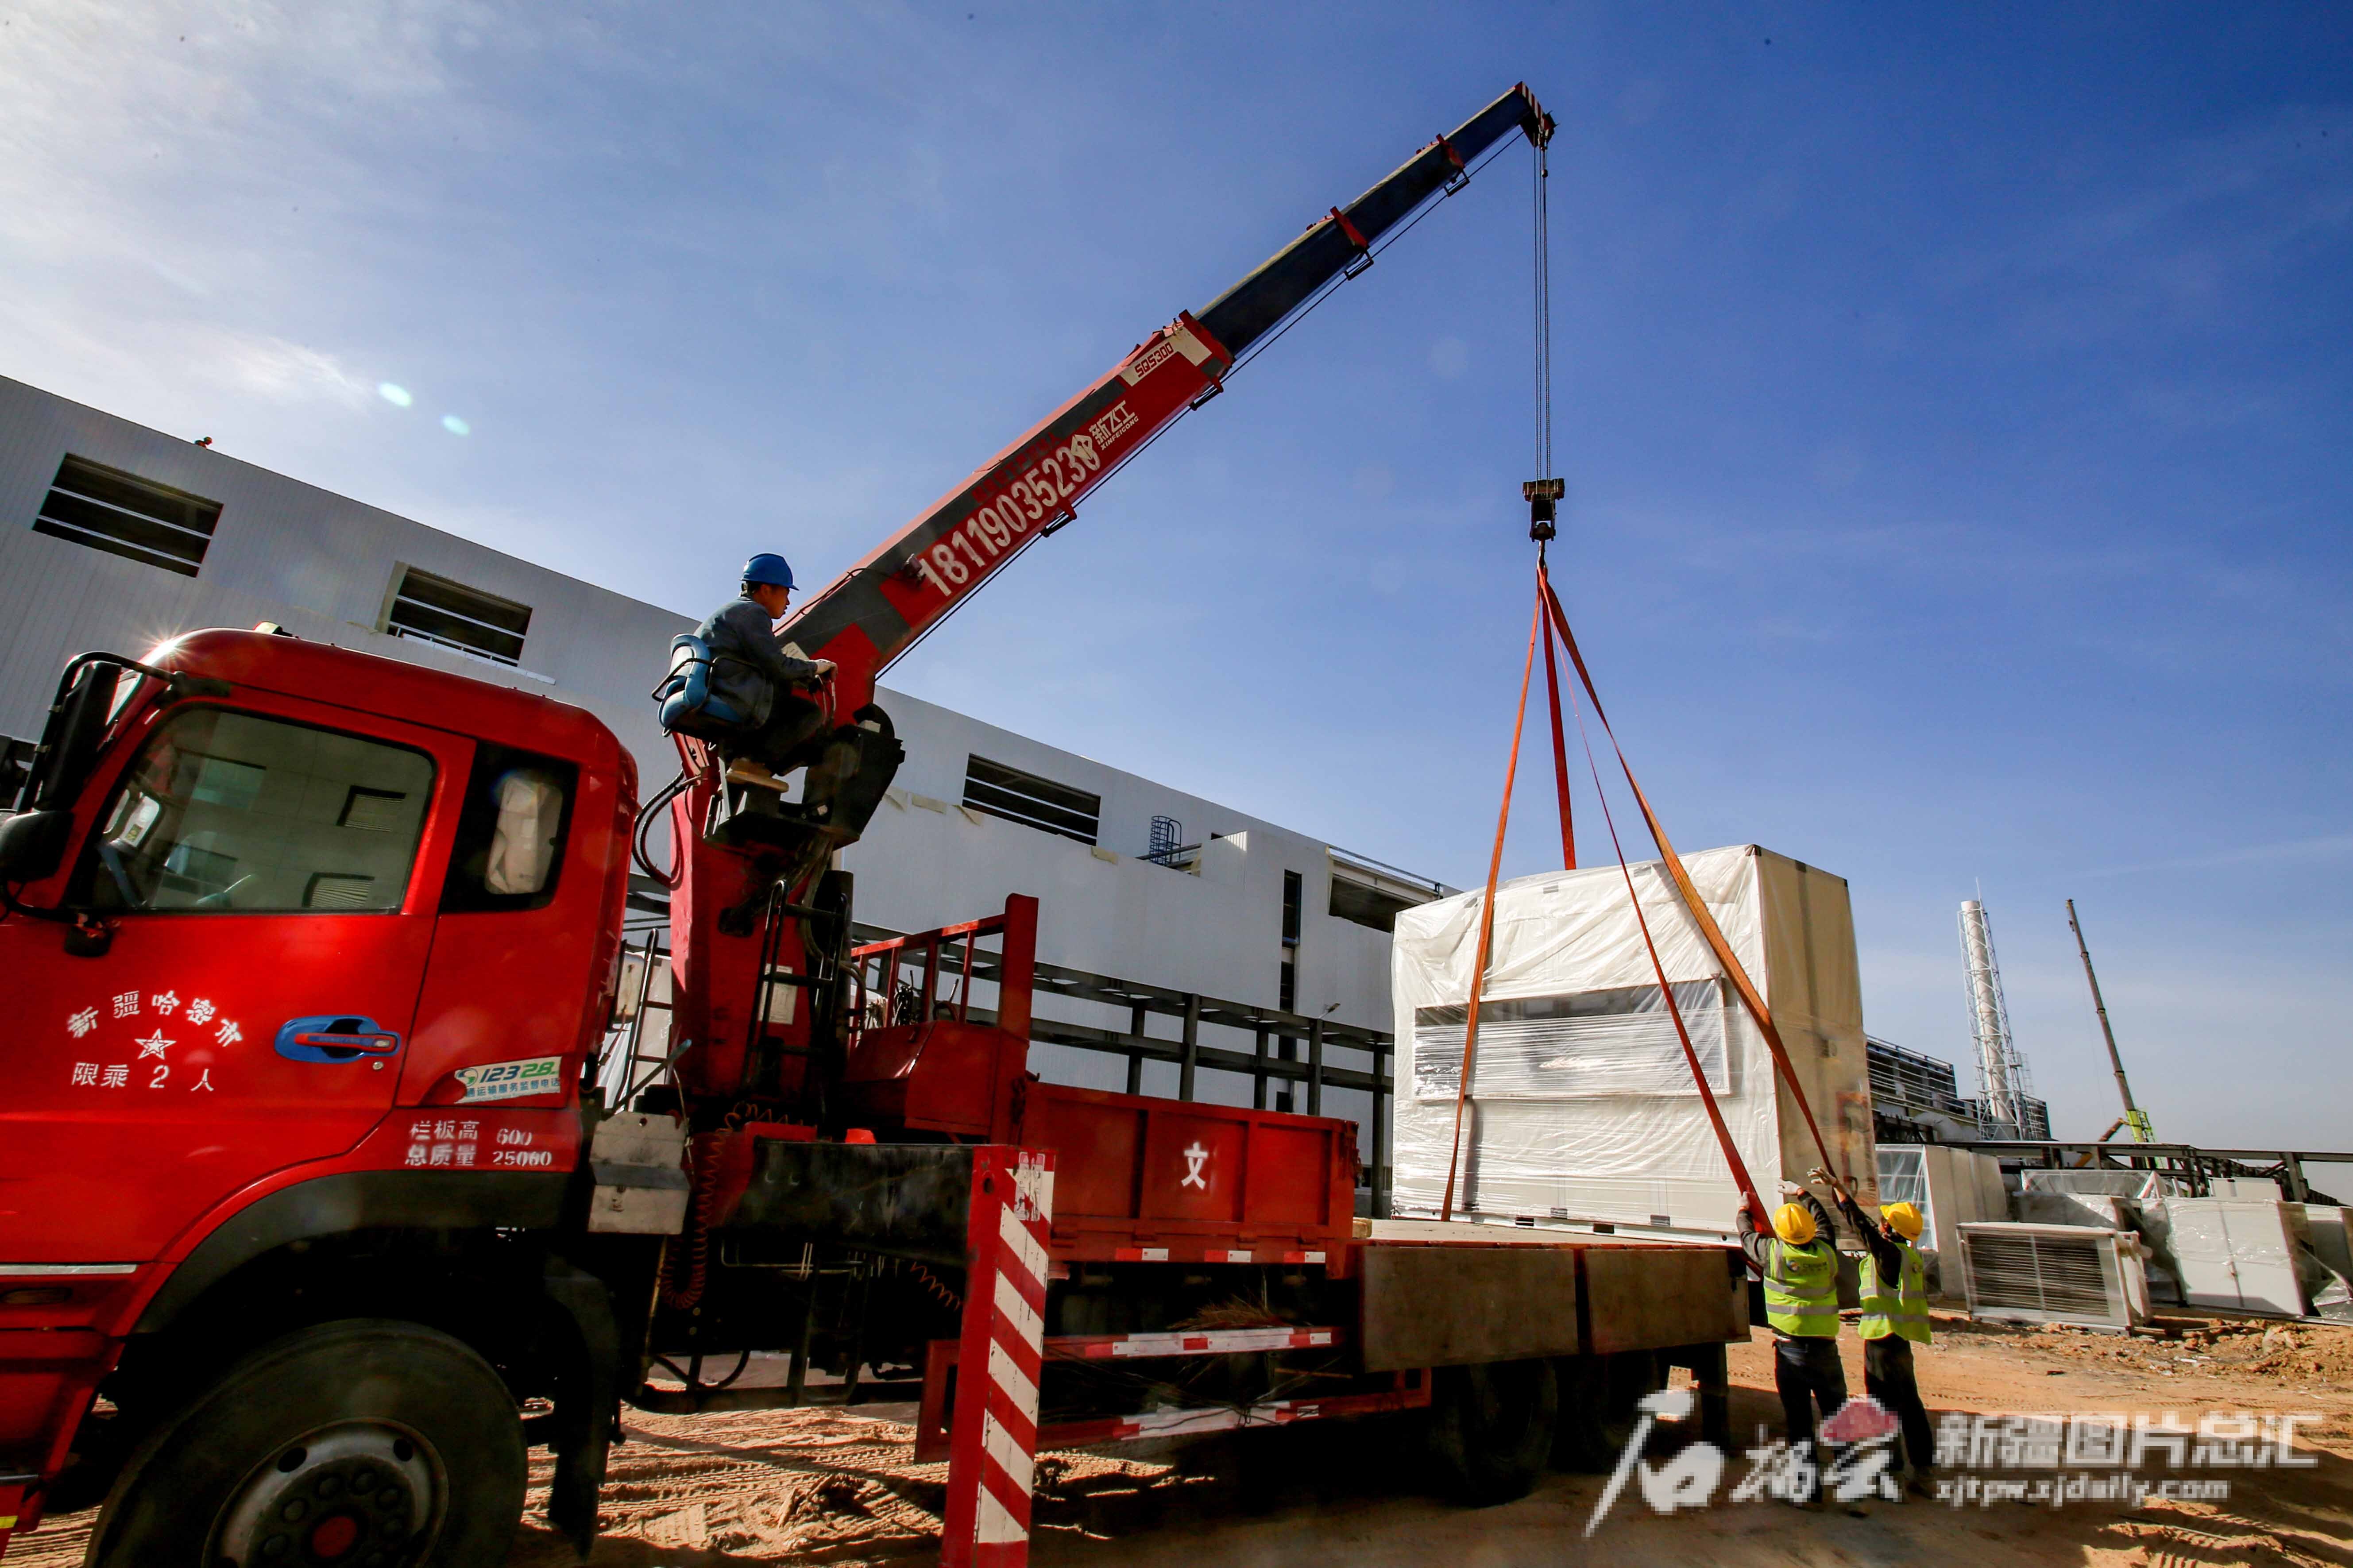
[
  {"x": 438, "y": 610},
  {"x": 125, "y": 515},
  {"x": 1031, "y": 801},
  {"x": 1575, "y": 1047}
]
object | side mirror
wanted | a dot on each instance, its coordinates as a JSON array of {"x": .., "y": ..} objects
[
  {"x": 70, "y": 741},
  {"x": 33, "y": 844}
]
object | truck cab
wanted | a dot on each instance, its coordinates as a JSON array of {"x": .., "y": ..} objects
[{"x": 299, "y": 940}]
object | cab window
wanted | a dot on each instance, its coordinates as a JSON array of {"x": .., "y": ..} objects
[
  {"x": 511, "y": 828},
  {"x": 231, "y": 812}
]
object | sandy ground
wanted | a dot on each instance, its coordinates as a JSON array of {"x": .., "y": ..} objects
[{"x": 828, "y": 1487}]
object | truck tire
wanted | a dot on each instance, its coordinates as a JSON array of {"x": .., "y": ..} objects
[
  {"x": 370, "y": 1442},
  {"x": 1598, "y": 1400},
  {"x": 1491, "y": 1428}
]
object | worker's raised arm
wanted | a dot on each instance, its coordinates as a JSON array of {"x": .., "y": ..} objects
[
  {"x": 1883, "y": 1252},
  {"x": 1754, "y": 1238},
  {"x": 1823, "y": 1225}
]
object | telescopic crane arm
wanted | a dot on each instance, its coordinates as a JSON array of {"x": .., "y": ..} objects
[
  {"x": 878, "y": 608},
  {"x": 748, "y": 857}
]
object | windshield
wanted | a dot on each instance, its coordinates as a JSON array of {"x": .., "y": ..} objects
[{"x": 228, "y": 811}]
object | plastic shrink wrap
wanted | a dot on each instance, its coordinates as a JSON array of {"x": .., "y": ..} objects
[{"x": 1582, "y": 1106}]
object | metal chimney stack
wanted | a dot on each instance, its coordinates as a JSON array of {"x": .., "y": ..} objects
[{"x": 2001, "y": 1072}]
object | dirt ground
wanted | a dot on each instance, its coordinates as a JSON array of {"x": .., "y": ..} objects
[{"x": 827, "y": 1487}]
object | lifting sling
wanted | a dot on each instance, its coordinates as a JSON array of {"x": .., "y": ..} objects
[
  {"x": 1552, "y": 622},
  {"x": 1749, "y": 995}
]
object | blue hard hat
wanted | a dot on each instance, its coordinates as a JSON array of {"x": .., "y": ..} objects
[{"x": 771, "y": 570}]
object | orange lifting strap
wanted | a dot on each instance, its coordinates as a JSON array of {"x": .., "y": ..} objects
[{"x": 1551, "y": 622}]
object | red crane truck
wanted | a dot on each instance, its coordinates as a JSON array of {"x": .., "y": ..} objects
[{"x": 318, "y": 1208}]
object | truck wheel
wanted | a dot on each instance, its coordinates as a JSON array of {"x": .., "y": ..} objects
[
  {"x": 1491, "y": 1428},
  {"x": 1598, "y": 1400},
  {"x": 368, "y": 1442}
]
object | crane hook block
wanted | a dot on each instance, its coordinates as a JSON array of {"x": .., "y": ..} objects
[{"x": 1542, "y": 495}]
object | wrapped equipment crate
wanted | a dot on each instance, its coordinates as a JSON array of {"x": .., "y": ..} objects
[{"x": 1582, "y": 1106}]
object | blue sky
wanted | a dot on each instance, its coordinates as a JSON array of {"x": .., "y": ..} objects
[{"x": 1956, "y": 409}]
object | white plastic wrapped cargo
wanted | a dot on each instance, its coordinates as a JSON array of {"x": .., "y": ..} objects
[
  {"x": 1582, "y": 1108},
  {"x": 2240, "y": 1254}
]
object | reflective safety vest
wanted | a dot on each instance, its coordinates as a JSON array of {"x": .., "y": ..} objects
[
  {"x": 1901, "y": 1312},
  {"x": 1801, "y": 1289}
]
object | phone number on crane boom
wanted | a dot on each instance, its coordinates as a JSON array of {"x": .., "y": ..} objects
[{"x": 1037, "y": 495}]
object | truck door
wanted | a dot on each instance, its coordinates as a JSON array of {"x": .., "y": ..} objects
[{"x": 271, "y": 872}]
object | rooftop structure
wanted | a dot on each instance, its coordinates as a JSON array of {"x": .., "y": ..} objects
[{"x": 1917, "y": 1098}]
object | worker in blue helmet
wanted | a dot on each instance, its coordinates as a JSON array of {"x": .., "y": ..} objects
[{"x": 751, "y": 671}]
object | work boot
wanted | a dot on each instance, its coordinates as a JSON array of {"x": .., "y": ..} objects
[{"x": 743, "y": 770}]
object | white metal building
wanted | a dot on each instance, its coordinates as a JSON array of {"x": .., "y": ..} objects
[{"x": 115, "y": 536}]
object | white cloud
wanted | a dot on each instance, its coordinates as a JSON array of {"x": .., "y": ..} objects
[{"x": 275, "y": 369}]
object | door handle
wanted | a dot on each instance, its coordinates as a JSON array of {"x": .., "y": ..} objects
[{"x": 335, "y": 1038}]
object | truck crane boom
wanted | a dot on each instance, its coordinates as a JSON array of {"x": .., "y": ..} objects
[{"x": 882, "y": 607}]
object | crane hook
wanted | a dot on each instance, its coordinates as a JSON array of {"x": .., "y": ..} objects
[{"x": 1542, "y": 496}]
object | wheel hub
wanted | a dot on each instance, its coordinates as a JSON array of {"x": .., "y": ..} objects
[{"x": 363, "y": 1495}]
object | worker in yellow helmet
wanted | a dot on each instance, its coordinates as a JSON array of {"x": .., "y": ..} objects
[
  {"x": 1799, "y": 1265},
  {"x": 1895, "y": 1319}
]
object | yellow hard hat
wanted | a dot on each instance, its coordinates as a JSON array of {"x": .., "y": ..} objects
[
  {"x": 1793, "y": 1224},
  {"x": 1904, "y": 1219}
]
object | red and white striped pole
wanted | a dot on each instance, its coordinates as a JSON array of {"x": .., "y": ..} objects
[{"x": 992, "y": 1434}]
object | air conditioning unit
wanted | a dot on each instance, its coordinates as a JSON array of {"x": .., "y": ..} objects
[{"x": 2054, "y": 1274}]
